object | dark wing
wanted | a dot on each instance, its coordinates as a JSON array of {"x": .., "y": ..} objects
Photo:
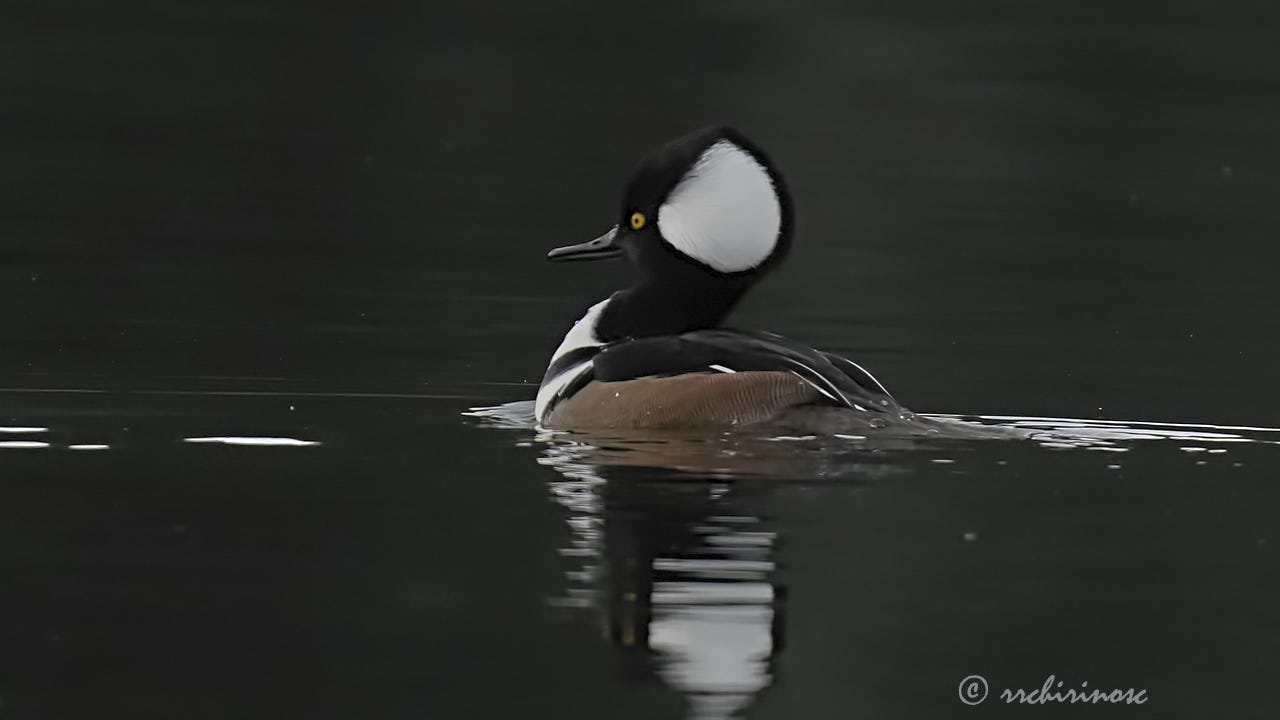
[{"x": 843, "y": 382}]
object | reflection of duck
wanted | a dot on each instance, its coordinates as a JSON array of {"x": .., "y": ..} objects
[
  {"x": 726, "y": 455},
  {"x": 684, "y": 580},
  {"x": 702, "y": 218}
]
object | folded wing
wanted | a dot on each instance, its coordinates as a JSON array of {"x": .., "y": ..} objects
[{"x": 840, "y": 381}]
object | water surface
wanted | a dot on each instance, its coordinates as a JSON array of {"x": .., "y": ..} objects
[{"x": 259, "y": 261}]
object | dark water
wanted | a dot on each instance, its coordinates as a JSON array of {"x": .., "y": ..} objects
[{"x": 326, "y": 223}]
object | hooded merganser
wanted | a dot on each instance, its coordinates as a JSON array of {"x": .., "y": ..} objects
[{"x": 703, "y": 218}]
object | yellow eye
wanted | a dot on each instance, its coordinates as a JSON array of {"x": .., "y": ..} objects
[{"x": 637, "y": 221}]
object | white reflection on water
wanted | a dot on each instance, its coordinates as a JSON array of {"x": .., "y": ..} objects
[
  {"x": 4, "y": 429},
  {"x": 681, "y": 582},
  {"x": 255, "y": 441},
  {"x": 23, "y": 444},
  {"x": 1107, "y": 435},
  {"x": 715, "y": 653}
]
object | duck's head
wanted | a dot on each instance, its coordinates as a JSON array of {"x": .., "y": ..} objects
[{"x": 707, "y": 207}]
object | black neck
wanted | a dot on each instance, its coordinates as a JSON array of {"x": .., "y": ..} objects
[{"x": 648, "y": 309}]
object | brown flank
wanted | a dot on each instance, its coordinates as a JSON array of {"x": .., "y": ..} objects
[{"x": 694, "y": 400}]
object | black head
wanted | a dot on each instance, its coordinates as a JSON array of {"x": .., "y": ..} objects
[
  {"x": 710, "y": 202},
  {"x": 702, "y": 217}
]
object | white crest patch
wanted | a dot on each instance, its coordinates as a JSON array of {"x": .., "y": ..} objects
[
  {"x": 582, "y": 334},
  {"x": 725, "y": 212}
]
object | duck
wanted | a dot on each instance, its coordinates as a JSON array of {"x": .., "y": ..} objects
[{"x": 703, "y": 218}]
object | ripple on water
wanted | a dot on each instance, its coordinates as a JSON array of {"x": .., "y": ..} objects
[
  {"x": 757, "y": 452},
  {"x": 254, "y": 441}
]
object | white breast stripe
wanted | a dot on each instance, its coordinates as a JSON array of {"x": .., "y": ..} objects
[
  {"x": 581, "y": 335},
  {"x": 721, "y": 368}
]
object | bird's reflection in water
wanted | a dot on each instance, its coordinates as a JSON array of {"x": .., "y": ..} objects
[
  {"x": 678, "y": 557},
  {"x": 673, "y": 545},
  {"x": 682, "y": 576}
]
